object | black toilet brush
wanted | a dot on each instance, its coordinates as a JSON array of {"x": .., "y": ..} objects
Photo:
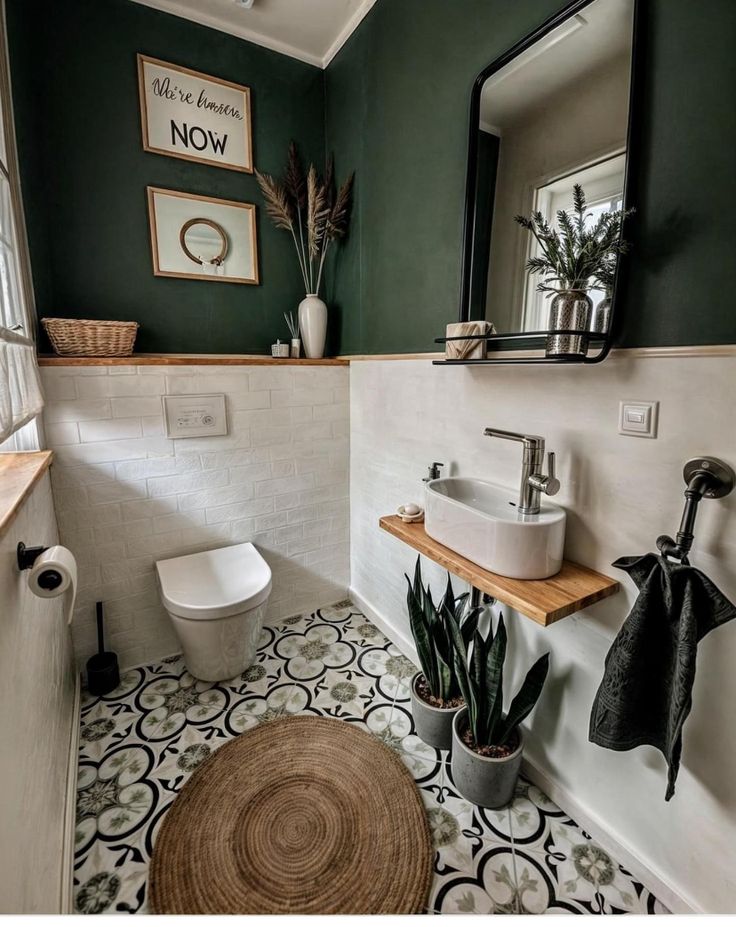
[{"x": 103, "y": 673}]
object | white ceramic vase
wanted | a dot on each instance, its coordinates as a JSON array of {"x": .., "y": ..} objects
[{"x": 313, "y": 325}]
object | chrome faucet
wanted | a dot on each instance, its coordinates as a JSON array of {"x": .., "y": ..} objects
[{"x": 533, "y": 480}]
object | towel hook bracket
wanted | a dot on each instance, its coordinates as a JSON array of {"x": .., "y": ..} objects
[
  {"x": 717, "y": 474},
  {"x": 706, "y": 478}
]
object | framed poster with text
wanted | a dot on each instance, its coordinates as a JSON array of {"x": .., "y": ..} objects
[{"x": 186, "y": 114}]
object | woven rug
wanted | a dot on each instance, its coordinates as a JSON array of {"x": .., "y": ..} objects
[{"x": 303, "y": 815}]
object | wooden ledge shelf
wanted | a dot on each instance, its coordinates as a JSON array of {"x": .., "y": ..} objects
[
  {"x": 199, "y": 360},
  {"x": 543, "y": 600}
]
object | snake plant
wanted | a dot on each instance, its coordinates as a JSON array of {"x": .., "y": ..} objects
[
  {"x": 479, "y": 670},
  {"x": 433, "y": 628}
]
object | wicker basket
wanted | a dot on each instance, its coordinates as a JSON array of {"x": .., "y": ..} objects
[{"x": 91, "y": 338}]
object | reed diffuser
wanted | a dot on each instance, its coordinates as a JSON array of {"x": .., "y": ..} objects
[{"x": 293, "y": 325}]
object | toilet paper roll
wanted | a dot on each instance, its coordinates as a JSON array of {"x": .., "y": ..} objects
[{"x": 53, "y": 574}]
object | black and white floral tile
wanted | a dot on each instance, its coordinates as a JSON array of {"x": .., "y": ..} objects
[{"x": 140, "y": 743}]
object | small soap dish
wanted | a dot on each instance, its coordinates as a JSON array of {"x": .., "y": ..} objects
[{"x": 408, "y": 518}]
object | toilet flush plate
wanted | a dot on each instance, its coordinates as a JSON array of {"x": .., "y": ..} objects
[{"x": 195, "y": 416}]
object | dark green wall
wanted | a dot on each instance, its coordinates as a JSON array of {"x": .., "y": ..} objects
[
  {"x": 397, "y": 106},
  {"x": 396, "y": 111},
  {"x": 84, "y": 171}
]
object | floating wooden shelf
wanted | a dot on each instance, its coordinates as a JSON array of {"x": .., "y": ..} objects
[
  {"x": 199, "y": 360},
  {"x": 543, "y": 600}
]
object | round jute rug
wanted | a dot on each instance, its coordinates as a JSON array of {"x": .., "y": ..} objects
[{"x": 303, "y": 815}]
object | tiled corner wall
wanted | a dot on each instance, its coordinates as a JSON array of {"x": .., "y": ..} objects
[{"x": 126, "y": 495}]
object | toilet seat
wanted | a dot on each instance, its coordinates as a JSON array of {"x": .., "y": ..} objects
[{"x": 215, "y": 583}]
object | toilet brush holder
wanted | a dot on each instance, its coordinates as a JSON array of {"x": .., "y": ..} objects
[{"x": 103, "y": 672}]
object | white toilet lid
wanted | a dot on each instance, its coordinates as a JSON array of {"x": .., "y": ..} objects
[{"x": 215, "y": 583}]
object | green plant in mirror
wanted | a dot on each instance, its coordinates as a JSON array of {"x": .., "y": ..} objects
[
  {"x": 433, "y": 628},
  {"x": 574, "y": 252},
  {"x": 479, "y": 667}
]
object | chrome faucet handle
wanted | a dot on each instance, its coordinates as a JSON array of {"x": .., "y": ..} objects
[{"x": 548, "y": 484}]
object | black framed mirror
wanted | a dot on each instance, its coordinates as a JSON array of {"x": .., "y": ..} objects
[{"x": 548, "y": 191}]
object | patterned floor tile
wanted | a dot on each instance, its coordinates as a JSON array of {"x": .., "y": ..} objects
[
  {"x": 308, "y": 654},
  {"x": 169, "y": 702},
  {"x": 390, "y": 668},
  {"x": 105, "y": 726},
  {"x": 582, "y": 873},
  {"x": 341, "y": 693},
  {"x": 487, "y": 886},
  {"x": 253, "y": 710},
  {"x": 130, "y": 680},
  {"x": 140, "y": 744}
]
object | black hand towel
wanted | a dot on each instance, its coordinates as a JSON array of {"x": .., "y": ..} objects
[{"x": 646, "y": 692}]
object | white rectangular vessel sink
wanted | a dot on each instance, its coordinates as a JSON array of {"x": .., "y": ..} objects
[{"x": 479, "y": 520}]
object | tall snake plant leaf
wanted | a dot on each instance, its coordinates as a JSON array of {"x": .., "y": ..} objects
[
  {"x": 420, "y": 632},
  {"x": 458, "y": 641},
  {"x": 449, "y": 597},
  {"x": 470, "y": 624},
  {"x": 526, "y": 698},
  {"x": 494, "y": 679},
  {"x": 477, "y": 684},
  {"x": 444, "y": 678},
  {"x": 460, "y": 658}
]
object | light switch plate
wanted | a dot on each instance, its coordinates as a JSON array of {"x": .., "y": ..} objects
[
  {"x": 638, "y": 418},
  {"x": 195, "y": 416}
]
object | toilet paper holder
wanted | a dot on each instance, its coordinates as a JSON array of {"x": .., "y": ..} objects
[
  {"x": 27, "y": 556},
  {"x": 50, "y": 579}
]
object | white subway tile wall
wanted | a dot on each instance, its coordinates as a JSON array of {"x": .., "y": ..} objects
[{"x": 127, "y": 496}]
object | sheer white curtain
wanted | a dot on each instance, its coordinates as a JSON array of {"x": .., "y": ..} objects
[{"x": 20, "y": 390}]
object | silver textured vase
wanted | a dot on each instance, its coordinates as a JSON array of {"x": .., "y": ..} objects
[
  {"x": 601, "y": 316},
  {"x": 570, "y": 309}
]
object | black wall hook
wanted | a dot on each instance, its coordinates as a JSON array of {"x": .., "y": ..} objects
[
  {"x": 27, "y": 556},
  {"x": 706, "y": 478}
]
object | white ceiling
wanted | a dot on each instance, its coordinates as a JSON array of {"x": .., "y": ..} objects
[{"x": 311, "y": 30}]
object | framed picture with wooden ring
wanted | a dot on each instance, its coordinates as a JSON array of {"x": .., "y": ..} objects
[
  {"x": 201, "y": 237},
  {"x": 190, "y": 115}
]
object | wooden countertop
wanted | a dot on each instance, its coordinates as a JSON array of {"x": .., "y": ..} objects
[
  {"x": 176, "y": 360},
  {"x": 19, "y": 473},
  {"x": 543, "y": 600}
]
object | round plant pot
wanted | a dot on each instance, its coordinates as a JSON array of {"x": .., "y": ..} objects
[
  {"x": 434, "y": 725},
  {"x": 601, "y": 320},
  {"x": 483, "y": 780},
  {"x": 313, "y": 325},
  {"x": 570, "y": 309}
]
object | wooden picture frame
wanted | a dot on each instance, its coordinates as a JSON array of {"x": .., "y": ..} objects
[
  {"x": 193, "y": 116},
  {"x": 170, "y": 210}
]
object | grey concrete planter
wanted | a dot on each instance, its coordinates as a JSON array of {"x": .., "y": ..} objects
[
  {"x": 483, "y": 780},
  {"x": 434, "y": 725}
]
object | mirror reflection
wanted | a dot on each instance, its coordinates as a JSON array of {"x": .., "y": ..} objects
[
  {"x": 553, "y": 120},
  {"x": 204, "y": 242}
]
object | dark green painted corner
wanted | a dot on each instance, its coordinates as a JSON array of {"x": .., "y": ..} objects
[
  {"x": 397, "y": 109},
  {"x": 84, "y": 171}
]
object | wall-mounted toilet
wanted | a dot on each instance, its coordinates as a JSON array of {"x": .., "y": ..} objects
[{"x": 216, "y": 601}]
